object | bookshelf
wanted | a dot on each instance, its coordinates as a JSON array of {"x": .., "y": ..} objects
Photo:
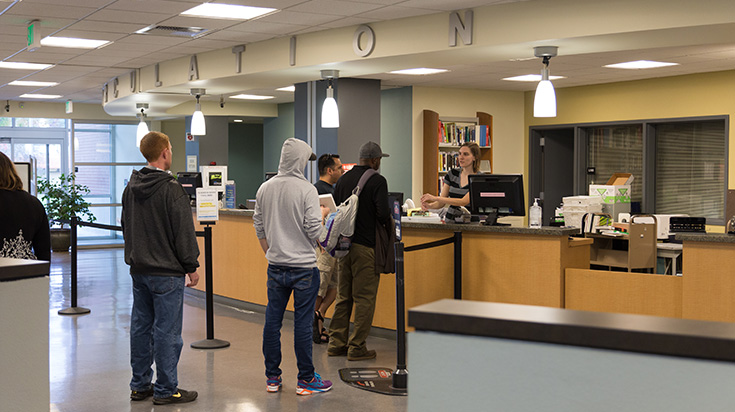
[{"x": 442, "y": 137}]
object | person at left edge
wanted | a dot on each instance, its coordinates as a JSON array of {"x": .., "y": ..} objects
[
  {"x": 161, "y": 249},
  {"x": 24, "y": 229}
]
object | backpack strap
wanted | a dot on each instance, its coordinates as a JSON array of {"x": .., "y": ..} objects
[{"x": 363, "y": 179}]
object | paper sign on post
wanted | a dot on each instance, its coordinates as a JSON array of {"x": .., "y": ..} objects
[{"x": 207, "y": 205}]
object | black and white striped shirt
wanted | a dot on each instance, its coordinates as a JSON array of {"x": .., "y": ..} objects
[{"x": 453, "y": 179}]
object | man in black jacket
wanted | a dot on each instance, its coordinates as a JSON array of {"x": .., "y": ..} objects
[
  {"x": 161, "y": 249},
  {"x": 358, "y": 277}
]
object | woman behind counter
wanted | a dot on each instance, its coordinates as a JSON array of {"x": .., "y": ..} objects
[
  {"x": 24, "y": 228},
  {"x": 455, "y": 188}
]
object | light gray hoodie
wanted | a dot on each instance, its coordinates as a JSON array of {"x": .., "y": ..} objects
[{"x": 287, "y": 212}]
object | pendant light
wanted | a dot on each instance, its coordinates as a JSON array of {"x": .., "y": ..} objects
[
  {"x": 544, "y": 102},
  {"x": 142, "y": 126},
  {"x": 330, "y": 111},
  {"x": 198, "y": 126}
]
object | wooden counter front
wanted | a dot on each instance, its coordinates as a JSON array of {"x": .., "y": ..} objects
[
  {"x": 709, "y": 282},
  {"x": 509, "y": 265}
]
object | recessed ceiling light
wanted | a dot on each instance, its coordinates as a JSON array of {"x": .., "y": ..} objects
[
  {"x": 640, "y": 64},
  {"x": 419, "y": 71},
  {"x": 72, "y": 43},
  {"x": 227, "y": 11},
  {"x": 40, "y": 96},
  {"x": 251, "y": 97},
  {"x": 237, "y": 120},
  {"x": 291, "y": 88},
  {"x": 31, "y": 83},
  {"x": 24, "y": 66},
  {"x": 531, "y": 78}
]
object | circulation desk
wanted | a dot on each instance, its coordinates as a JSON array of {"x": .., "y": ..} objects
[
  {"x": 708, "y": 289},
  {"x": 500, "y": 264}
]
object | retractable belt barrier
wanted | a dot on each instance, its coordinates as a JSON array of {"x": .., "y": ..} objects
[{"x": 210, "y": 342}]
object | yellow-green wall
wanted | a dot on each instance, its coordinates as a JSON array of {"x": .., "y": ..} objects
[
  {"x": 508, "y": 131},
  {"x": 706, "y": 94}
]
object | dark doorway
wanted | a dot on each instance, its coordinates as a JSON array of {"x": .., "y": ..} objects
[{"x": 551, "y": 167}]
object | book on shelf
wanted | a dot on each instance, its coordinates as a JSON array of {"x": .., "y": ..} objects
[
  {"x": 448, "y": 160},
  {"x": 453, "y": 134}
]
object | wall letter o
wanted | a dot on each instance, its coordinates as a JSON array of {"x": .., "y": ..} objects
[{"x": 363, "y": 29}]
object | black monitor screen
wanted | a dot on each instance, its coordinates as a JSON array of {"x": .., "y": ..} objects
[
  {"x": 496, "y": 195},
  {"x": 395, "y": 196},
  {"x": 190, "y": 181},
  {"x": 268, "y": 175}
]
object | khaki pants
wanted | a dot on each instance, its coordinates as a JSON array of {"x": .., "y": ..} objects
[{"x": 358, "y": 285}]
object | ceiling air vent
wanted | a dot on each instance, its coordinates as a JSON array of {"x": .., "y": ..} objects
[{"x": 174, "y": 31}]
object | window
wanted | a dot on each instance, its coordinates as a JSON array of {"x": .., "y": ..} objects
[
  {"x": 678, "y": 166},
  {"x": 690, "y": 168},
  {"x": 616, "y": 149},
  {"x": 104, "y": 156}
]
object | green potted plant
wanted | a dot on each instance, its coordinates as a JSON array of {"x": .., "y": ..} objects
[{"x": 63, "y": 199}]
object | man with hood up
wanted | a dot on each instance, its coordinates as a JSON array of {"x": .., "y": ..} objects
[
  {"x": 161, "y": 249},
  {"x": 288, "y": 222}
]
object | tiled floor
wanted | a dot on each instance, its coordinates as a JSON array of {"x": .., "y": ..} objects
[{"x": 89, "y": 359}]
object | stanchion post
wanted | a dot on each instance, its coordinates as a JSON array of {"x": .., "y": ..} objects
[
  {"x": 458, "y": 265},
  {"x": 400, "y": 376},
  {"x": 208, "y": 283},
  {"x": 210, "y": 342},
  {"x": 74, "y": 310}
]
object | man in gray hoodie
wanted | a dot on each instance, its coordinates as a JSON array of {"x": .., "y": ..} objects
[
  {"x": 161, "y": 249},
  {"x": 288, "y": 222}
]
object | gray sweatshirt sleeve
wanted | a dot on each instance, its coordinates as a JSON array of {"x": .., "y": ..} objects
[
  {"x": 258, "y": 217},
  {"x": 312, "y": 216}
]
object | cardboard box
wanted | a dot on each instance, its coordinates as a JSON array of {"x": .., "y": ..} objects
[{"x": 617, "y": 189}]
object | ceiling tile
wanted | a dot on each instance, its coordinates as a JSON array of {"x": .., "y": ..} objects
[
  {"x": 54, "y": 10},
  {"x": 120, "y": 16},
  {"x": 394, "y": 12},
  {"x": 340, "y": 8},
  {"x": 106, "y": 26},
  {"x": 151, "y": 6},
  {"x": 300, "y": 18},
  {"x": 257, "y": 26}
]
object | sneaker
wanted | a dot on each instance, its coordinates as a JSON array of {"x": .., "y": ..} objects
[
  {"x": 141, "y": 395},
  {"x": 273, "y": 384},
  {"x": 181, "y": 396},
  {"x": 370, "y": 354},
  {"x": 317, "y": 384}
]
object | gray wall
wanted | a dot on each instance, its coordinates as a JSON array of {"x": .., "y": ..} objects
[
  {"x": 359, "y": 116},
  {"x": 396, "y": 138},
  {"x": 245, "y": 163},
  {"x": 275, "y": 132},
  {"x": 213, "y": 147}
]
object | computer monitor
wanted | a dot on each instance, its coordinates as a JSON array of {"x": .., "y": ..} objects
[
  {"x": 494, "y": 196},
  {"x": 395, "y": 196},
  {"x": 268, "y": 175},
  {"x": 190, "y": 181}
]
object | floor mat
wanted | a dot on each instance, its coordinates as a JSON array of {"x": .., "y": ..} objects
[{"x": 378, "y": 380}]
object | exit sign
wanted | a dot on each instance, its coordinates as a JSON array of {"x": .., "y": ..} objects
[{"x": 34, "y": 36}]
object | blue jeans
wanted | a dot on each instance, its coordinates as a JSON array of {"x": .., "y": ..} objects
[
  {"x": 304, "y": 283},
  {"x": 155, "y": 332}
]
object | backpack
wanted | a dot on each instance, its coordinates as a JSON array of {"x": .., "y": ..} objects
[{"x": 336, "y": 239}]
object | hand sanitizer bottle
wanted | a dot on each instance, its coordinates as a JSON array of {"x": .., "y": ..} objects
[{"x": 534, "y": 215}]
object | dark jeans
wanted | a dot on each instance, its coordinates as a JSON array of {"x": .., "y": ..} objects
[
  {"x": 155, "y": 332},
  {"x": 358, "y": 286},
  {"x": 304, "y": 283}
]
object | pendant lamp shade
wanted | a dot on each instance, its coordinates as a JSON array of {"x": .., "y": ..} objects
[
  {"x": 142, "y": 131},
  {"x": 330, "y": 112},
  {"x": 544, "y": 102},
  {"x": 198, "y": 127}
]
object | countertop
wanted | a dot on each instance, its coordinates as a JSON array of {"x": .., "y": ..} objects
[
  {"x": 706, "y": 237},
  {"x": 468, "y": 227},
  {"x": 632, "y": 333},
  {"x": 16, "y": 269}
]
